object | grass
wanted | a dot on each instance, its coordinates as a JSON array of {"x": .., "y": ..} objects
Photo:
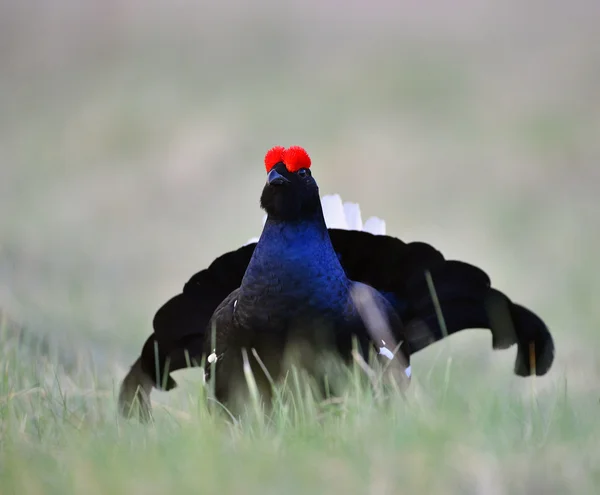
[{"x": 452, "y": 433}]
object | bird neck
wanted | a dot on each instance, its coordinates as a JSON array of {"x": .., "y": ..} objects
[{"x": 293, "y": 259}]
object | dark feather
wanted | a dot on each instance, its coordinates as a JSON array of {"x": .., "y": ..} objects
[{"x": 383, "y": 262}]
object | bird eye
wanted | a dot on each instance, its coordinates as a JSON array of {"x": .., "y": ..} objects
[{"x": 303, "y": 172}]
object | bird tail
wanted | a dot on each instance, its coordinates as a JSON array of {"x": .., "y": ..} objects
[
  {"x": 134, "y": 394},
  {"x": 455, "y": 296},
  {"x": 153, "y": 370},
  {"x": 535, "y": 346}
]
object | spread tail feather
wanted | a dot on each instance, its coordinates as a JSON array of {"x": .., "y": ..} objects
[
  {"x": 134, "y": 394},
  {"x": 535, "y": 351},
  {"x": 459, "y": 297},
  {"x": 513, "y": 323}
]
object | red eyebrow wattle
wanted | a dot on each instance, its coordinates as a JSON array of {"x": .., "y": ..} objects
[{"x": 294, "y": 158}]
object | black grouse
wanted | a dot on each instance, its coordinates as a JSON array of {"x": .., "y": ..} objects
[{"x": 297, "y": 285}]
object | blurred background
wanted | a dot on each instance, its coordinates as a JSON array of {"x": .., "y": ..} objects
[{"x": 132, "y": 136}]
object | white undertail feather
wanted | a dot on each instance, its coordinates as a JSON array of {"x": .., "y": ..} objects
[
  {"x": 346, "y": 216},
  {"x": 333, "y": 211},
  {"x": 375, "y": 225},
  {"x": 353, "y": 217}
]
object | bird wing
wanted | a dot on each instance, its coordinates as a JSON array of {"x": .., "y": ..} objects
[{"x": 435, "y": 297}]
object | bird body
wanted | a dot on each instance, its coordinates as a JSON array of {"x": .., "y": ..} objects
[
  {"x": 302, "y": 282},
  {"x": 294, "y": 293}
]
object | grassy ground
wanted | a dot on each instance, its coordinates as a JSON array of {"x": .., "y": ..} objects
[
  {"x": 131, "y": 140},
  {"x": 453, "y": 433}
]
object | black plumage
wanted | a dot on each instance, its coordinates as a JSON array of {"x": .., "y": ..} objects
[{"x": 295, "y": 285}]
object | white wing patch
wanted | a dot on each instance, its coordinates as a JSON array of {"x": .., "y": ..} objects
[{"x": 384, "y": 351}]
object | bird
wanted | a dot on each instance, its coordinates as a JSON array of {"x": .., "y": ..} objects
[{"x": 303, "y": 281}]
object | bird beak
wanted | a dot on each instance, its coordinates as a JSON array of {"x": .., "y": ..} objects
[{"x": 274, "y": 178}]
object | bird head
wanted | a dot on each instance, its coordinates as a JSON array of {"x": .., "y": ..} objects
[{"x": 291, "y": 192}]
